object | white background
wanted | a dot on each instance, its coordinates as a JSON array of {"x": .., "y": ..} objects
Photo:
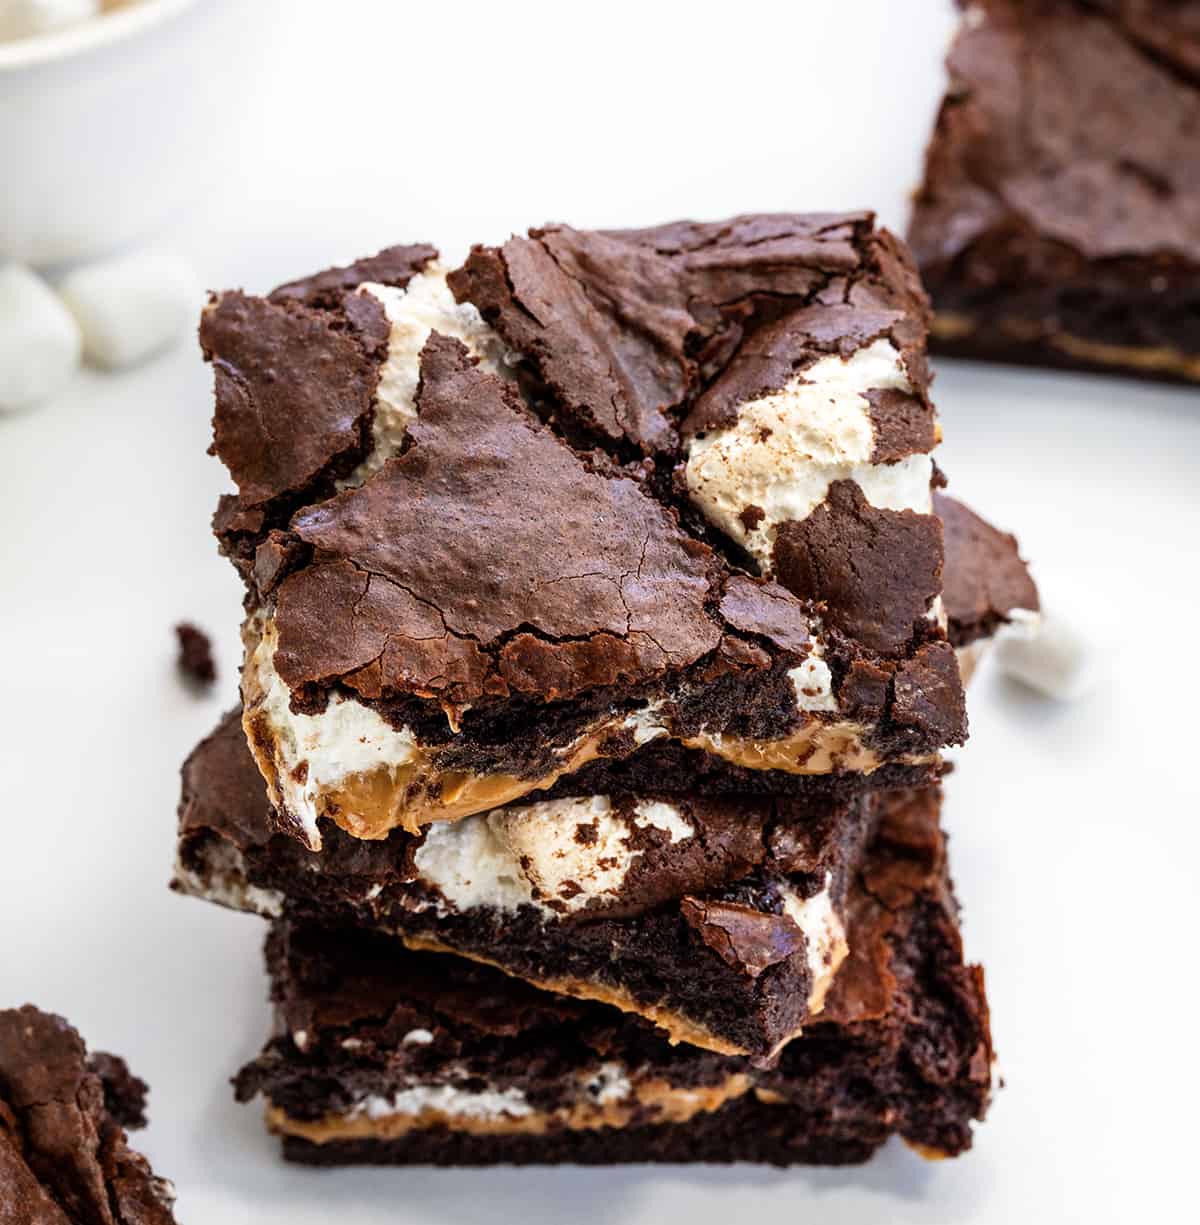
[{"x": 1074, "y": 827}]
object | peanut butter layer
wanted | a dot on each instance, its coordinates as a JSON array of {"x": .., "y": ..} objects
[{"x": 650, "y": 1101}]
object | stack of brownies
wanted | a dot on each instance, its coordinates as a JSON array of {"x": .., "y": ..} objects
[{"x": 605, "y": 628}]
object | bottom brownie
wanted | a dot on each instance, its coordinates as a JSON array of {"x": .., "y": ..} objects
[
  {"x": 388, "y": 1056},
  {"x": 747, "y": 1130}
]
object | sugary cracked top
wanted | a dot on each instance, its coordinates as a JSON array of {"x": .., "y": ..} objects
[
  {"x": 608, "y": 457},
  {"x": 1071, "y": 132},
  {"x": 63, "y": 1153}
]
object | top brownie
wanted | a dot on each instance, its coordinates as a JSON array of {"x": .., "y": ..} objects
[
  {"x": 1059, "y": 219},
  {"x": 588, "y": 491}
]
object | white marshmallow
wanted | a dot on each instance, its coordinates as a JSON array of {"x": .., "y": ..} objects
[
  {"x": 39, "y": 341},
  {"x": 27, "y": 18},
  {"x": 132, "y": 306},
  {"x": 1047, "y": 654}
]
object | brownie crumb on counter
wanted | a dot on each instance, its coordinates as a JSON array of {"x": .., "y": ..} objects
[{"x": 195, "y": 659}]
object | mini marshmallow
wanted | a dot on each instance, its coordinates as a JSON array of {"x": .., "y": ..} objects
[
  {"x": 132, "y": 306},
  {"x": 1048, "y": 655},
  {"x": 39, "y": 340},
  {"x": 27, "y": 18}
]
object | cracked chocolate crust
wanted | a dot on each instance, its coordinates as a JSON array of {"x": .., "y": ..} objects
[
  {"x": 497, "y": 556},
  {"x": 1059, "y": 220},
  {"x": 64, "y": 1159},
  {"x": 903, "y": 1047}
]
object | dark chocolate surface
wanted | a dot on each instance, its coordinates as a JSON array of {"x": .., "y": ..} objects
[
  {"x": 387, "y": 616},
  {"x": 903, "y": 1046},
  {"x": 1062, "y": 183},
  {"x": 64, "y": 1159}
]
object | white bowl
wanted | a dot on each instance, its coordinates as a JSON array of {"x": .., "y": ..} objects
[{"x": 106, "y": 127}]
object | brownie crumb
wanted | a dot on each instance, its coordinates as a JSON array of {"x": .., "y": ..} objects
[{"x": 195, "y": 654}]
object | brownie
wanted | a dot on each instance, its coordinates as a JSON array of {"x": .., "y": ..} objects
[
  {"x": 722, "y": 920},
  {"x": 1059, "y": 219},
  {"x": 412, "y": 1058},
  {"x": 589, "y": 493},
  {"x": 64, "y": 1156}
]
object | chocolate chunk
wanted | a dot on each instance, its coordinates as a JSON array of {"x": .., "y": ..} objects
[
  {"x": 294, "y": 391},
  {"x": 195, "y": 654},
  {"x": 864, "y": 688},
  {"x": 124, "y": 1093},
  {"x": 876, "y": 571},
  {"x": 274, "y": 558},
  {"x": 768, "y": 610},
  {"x": 748, "y": 940},
  {"x": 394, "y": 266}
]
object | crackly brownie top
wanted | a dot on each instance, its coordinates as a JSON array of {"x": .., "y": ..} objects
[
  {"x": 63, "y": 1153},
  {"x": 430, "y": 564},
  {"x": 479, "y": 486},
  {"x": 1071, "y": 123},
  {"x": 628, "y": 329}
]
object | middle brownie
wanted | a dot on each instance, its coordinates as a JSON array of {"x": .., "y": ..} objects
[{"x": 720, "y": 919}]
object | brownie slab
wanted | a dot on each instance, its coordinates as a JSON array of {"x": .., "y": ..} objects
[
  {"x": 1059, "y": 220},
  {"x": 590, "y": 493},
  {"x": 720, "y": 919},
  {"x": 64, "y": 1156},
  {"x": 413, "y": 1058}
]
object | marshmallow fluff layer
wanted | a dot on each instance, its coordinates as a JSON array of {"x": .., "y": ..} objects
[
  {"x": 535, "y": 855},
  {"x": 788, "y": 447}
]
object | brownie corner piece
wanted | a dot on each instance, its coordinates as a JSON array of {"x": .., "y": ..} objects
[
  {"x": 1059, "y": 218},
  {"x": 64, "y": 1154}
]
